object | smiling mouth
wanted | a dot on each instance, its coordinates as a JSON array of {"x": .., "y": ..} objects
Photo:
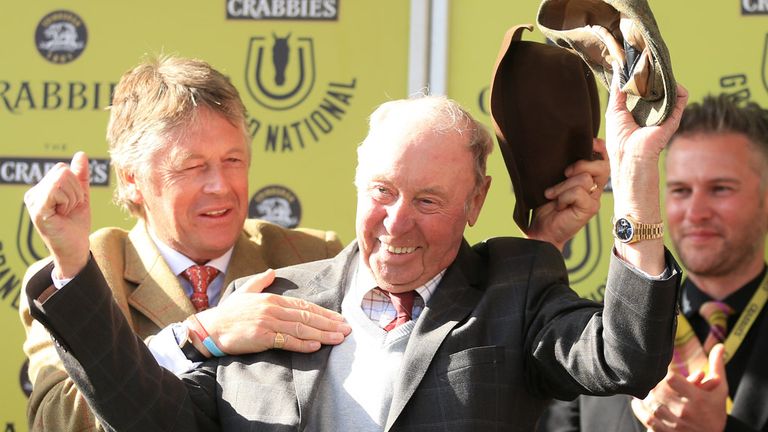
[
  {"x": 215, "y": 213},
  {"x": 400, "y": 250}
]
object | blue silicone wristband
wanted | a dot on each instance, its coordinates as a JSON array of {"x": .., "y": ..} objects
[{"x": 212, "y": 348}]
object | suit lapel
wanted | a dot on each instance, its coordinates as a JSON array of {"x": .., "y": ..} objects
[
  {"x": 453, "y": 300},
  {"x": 247, "y": 259},
  {"x": 326, "y": 290},
  {"x": 750, "y": 403},
  {"x": 158, "y": 294}
]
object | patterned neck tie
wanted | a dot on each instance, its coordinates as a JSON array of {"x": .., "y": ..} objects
[
  {"x": 716, "y": 313},
  {"x": 691, "y": 355},
  {"x": 403, "y": 303},
  {"x": 200, "y": 277}
]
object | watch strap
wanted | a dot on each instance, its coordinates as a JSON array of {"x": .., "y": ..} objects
[
  {"x": 191, "y": 353},
  {"x": 639, "y": 231}
]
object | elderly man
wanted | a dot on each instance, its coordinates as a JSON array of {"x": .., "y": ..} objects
[
  {"x": 717, "y": 213},
  {"x": 445, "y": 335}
]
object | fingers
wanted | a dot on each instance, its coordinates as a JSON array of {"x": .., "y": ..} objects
[
  {"x": 715, "y": 377},
  {"x": 696, "y": 377},
  {"x": 673, "y": 386},
  {"x": 617, "y": 100},
  {"x": 579, "y": 189},
  {"x": 81, "y": 170},
  {"x": 653, "y": 414},
  {"x": 59, "y": 192},
  {"x": 680, "y": 103},
  {"x": 717, "y": 361},
  {"x": 305, "y": 325},
  {"x": 257, "y": 282}
]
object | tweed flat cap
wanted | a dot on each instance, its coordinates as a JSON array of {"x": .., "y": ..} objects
[
  {"x": 545, "y": 111},
  {"x": 603, "y": 31}
]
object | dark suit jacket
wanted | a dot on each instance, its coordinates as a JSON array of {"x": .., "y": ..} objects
[
  {"x": 750, "y": 404},
  {"x": 501, "y": 335}
]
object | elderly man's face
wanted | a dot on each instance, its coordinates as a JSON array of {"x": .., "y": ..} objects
[
  {"x": 195, "y": 196},
  {"x": 415, "y": 195},
  {"x": 716, "y": 210}
]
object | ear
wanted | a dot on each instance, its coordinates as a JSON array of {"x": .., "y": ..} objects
[
  {"x": 476, "y": 202},
  {"x": 131, "y": 187}
]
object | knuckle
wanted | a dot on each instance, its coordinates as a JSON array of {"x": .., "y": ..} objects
[{"x": 306, "y": 317}]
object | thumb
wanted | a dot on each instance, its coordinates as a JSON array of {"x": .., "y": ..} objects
[
  {"x": 716, "y": 373},
  {"x": 717, "y": 361},
  {"x": 258, "y": 282},
  {"x": 81, "y": 169}
]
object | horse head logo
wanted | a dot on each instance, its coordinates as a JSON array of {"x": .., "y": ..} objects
[
  {"x": 280, "y": 55},
  {"x": 293, "y": 76}
]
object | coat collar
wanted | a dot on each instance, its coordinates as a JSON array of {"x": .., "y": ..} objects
[
  {"x": 454, "y": 299},
  {"x": 158, "y": 294},
  {"x": 326, "y": 290}
]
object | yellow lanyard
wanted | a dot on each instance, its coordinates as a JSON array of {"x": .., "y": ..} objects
[{"x": 736, "y": 336}]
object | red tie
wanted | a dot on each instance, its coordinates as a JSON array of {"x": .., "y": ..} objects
[
  {"x": 403, "y": 303},
  {"x": 200, "y": 277}
]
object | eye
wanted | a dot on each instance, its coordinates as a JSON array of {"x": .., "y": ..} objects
[
  {"x": 381, "y": 193},
  {"x": 679, "y": 192},
  {"x": 427, "y": 204},
  {"x": 722, "y": 189}
]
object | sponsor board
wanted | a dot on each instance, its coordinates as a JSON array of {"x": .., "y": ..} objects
[
  {"x": 308, "y": 10},
  {"x": 61, "y": 37},
  {"x": 276, "y": 204}
]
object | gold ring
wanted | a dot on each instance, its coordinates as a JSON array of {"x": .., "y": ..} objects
[
  {"x": 593, "y": 188},
  {"x": 279, "y": 341}
]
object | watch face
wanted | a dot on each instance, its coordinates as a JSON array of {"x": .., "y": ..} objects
[{"x": 624, "y": 230}]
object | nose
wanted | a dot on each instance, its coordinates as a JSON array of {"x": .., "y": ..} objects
[
  {"x": 699, "y": 208},
  {"x": 215, "y": 180},
  {"x": 399, "y": 218}
]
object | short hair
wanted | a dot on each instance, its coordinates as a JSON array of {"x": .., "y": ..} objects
[
  {"x": 152, "y": 104},
  {"x": 722, "y": 113},
  {"x": 441, "y": 115}
]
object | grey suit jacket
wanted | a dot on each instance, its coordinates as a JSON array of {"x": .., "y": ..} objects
[{"x": 502, "y": 334}]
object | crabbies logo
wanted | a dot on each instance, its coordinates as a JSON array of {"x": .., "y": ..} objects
[
  {"x": 276, "y": 204},
  {"x": 754, "y": 7},
  {"x": 61, "y": 37},
  {"x": 281, "y": 75},
  {"x": 308, "y": 10}
]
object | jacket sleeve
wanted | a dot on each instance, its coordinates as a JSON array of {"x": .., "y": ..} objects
[
  {"x": 578, "y": 346},
  {"x": 55, "y": 402},
  {"x": 112, "y": 367}
]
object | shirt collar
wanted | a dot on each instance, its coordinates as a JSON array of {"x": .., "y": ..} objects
[
  {"x": 365, "y": 281},
  {"x": 693, "y": 297},
  {"x": 178, "y": 262}
]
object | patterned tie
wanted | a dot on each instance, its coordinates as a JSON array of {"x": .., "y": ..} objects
[
  {"x": 200, "y": 277},
  {"x": 690, "y": 354},
  {"x": 403, "y": 303},
  {"x": 716, "y": 313}
]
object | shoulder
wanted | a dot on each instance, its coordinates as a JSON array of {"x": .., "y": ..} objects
[
  {"x": 304, "y": 242},
  {"x": 513, "y": 259},
  {"x": 108, "y": 238},
  {"x": 515, "y": 248}
]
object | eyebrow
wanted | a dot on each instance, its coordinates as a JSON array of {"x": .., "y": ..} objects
[{"x": 710, "y": 181}]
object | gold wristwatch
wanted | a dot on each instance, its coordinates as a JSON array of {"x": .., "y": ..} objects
[{"x": 628, "y": 230}]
